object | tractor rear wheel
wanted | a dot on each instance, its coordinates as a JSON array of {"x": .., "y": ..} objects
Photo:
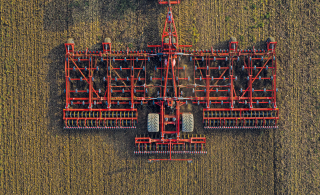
[
  {"x": 153, "y": 122},
  {"x": 187, "y": 122}
]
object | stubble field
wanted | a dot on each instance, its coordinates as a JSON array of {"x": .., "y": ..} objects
[{"x": 37, "y": 155}]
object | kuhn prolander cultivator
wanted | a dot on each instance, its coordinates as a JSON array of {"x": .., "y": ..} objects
[{"x": 237, "y": 89}]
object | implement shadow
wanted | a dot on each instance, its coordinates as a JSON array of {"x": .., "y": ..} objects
[
  {"x": 57, "y": 84},
  {"x": 133, "y": 23}
]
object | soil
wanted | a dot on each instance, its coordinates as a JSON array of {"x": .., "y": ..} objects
[{"x": 37, "y": 155}]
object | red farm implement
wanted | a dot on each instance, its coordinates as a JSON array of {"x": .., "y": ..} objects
[{"x": 237, "y": 89}]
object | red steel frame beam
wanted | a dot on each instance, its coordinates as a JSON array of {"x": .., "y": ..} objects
[{"x": 162, "y": 2}]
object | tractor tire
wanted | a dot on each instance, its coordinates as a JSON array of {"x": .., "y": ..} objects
[
  {"x": 153, "y": 122},
  {"x": 107, "y": 40},
  {"x": 70, "y": 40},
  {"x": 233, "y": 39},
  {"x": 166, "y": 40},
  {"x": 187, "y": 122}
]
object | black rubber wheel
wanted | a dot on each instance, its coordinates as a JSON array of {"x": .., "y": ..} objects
[
  {"x": 153, "y": 122},
  {"x": 187, "y": 122}
]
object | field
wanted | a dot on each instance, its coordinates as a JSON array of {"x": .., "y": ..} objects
[{"x": 37, "y": 155}]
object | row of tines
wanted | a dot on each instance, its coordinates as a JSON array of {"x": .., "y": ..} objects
[
  {"x": 116, "y": 51},
  {"x": 174, "y": 147},
  {"x": 172, "y": 152},
  {"x": 171, "y": 136},
  {"x": 100, "y": 123},
  {"x": 240, "y": 123},
  {"x": 102, "y": 114},
  {"x": 240, "y": 114},
  {"x": 188, "y": 51}
]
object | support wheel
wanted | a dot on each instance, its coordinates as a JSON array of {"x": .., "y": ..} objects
[
  {"x": 153, "y": 122},
  {"x": 271, "y": 39},
  {"x": 174, "y": 40},
  {"x": 233, "y": 45},
  {"x": 233, "y": 39},
  {"x": 187, "y": 122},
  {"x": 107, "y": 40},
  {"x": 70, "y": 40}
]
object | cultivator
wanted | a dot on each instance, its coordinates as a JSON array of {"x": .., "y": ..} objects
[{"x": 236, "y": 87}]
